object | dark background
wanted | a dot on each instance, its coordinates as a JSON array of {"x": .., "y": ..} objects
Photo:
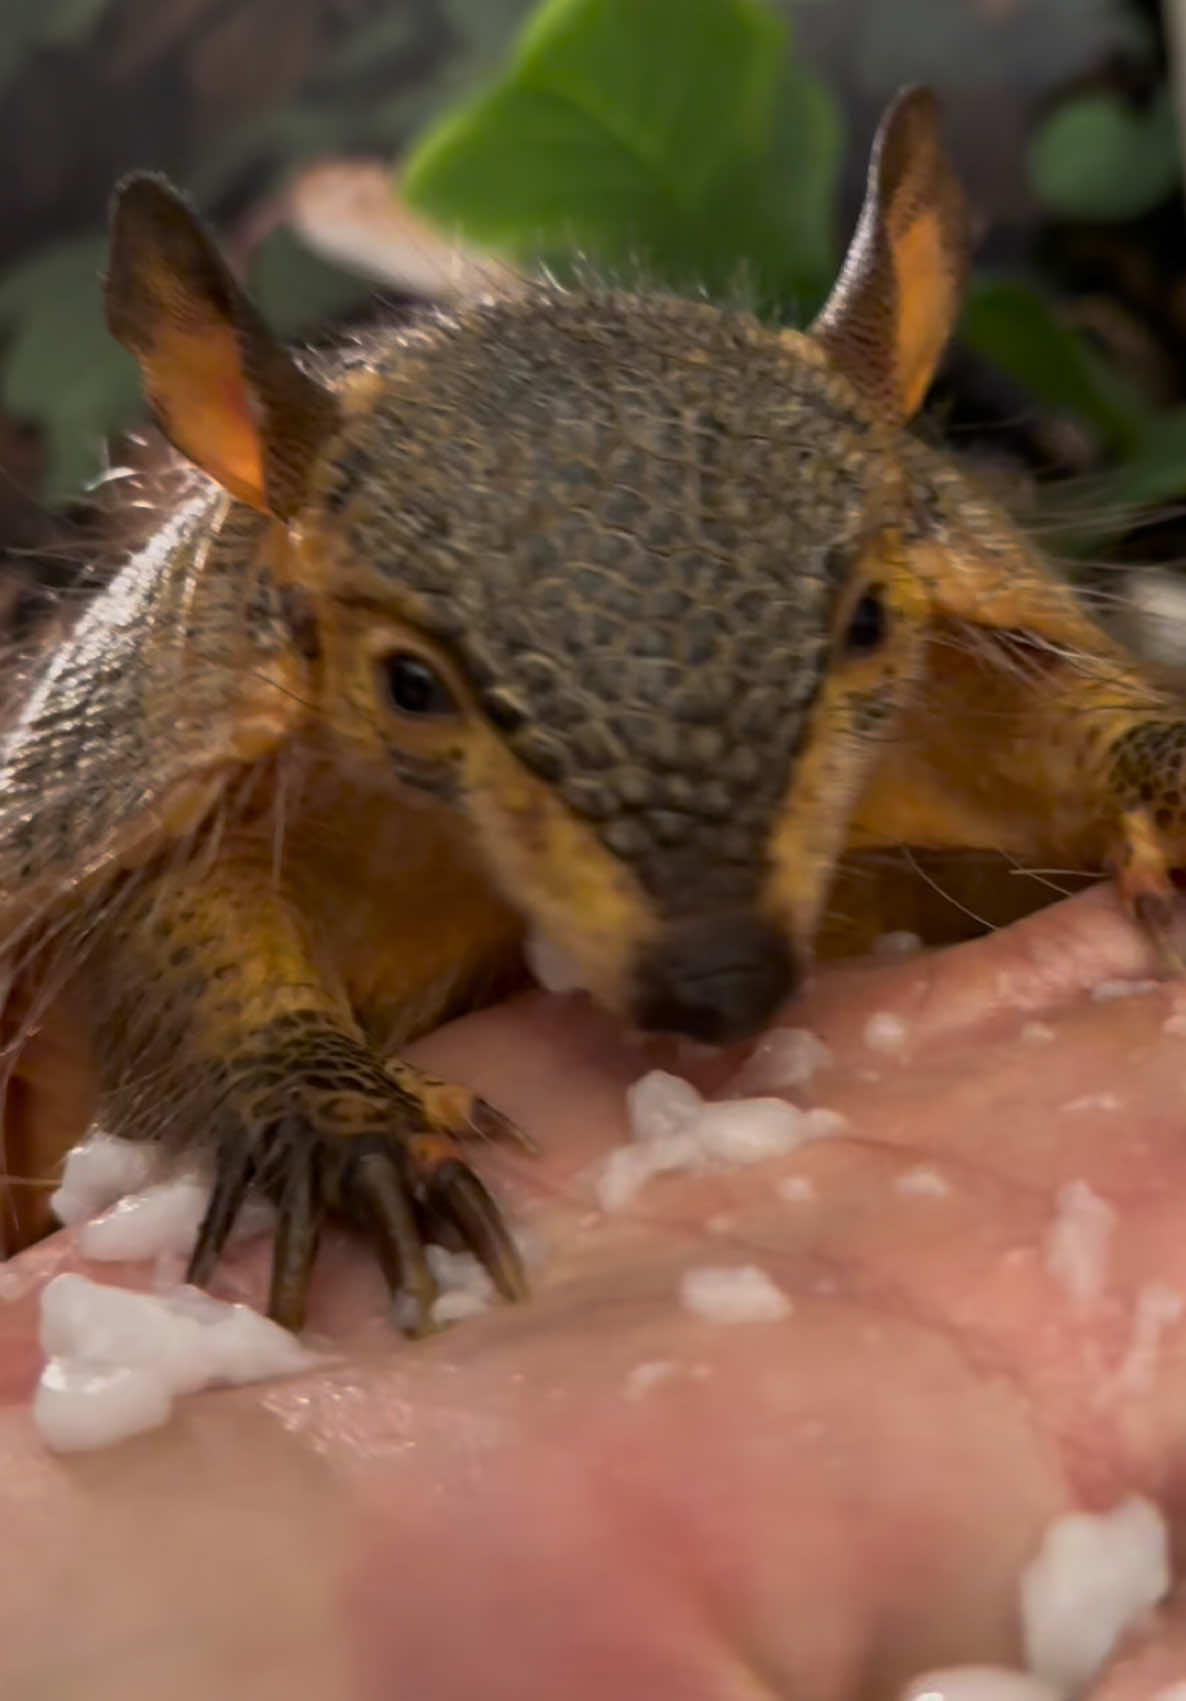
[{"x": 230, "y": 96}]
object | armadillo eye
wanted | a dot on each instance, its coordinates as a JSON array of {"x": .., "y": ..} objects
[
  {"x": 867, "y": 625},
  {"x": 414, "y": 688}
]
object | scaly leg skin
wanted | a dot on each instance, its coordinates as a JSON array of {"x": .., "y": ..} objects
[{"x": 245, "y": 1046}]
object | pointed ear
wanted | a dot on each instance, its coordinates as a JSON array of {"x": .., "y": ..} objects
[
  {"x": 895, "y": 302},
  {"x": 223, "y": 389}
]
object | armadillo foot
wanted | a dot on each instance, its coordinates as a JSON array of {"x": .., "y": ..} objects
[{"x": 330, "y": 1133}]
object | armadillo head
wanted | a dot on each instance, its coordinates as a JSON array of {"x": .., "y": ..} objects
[
  {"x": 646, "y": 534},
  {"x": 623, "y": 580}
]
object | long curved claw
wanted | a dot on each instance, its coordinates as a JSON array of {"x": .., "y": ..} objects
[
  {"x": 491, "y": 1124},
  {"x": 379, "y": 1200},
  {"x": 232, "y": 1178},
  {"x": 298, "y": 1230},
  {"x": 454, "y": 1112},
  {"x": 457, "y": 1193}
]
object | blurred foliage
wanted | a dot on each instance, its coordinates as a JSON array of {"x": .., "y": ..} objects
[
  {"x": 682, "y": 138},
  {"x": 28, "y": 25},
  {"x": 391, "y": 66},
  {"x": 679, "y": 139},
  {"x": 1036, "y": 44},
  {"x": 295, "y": 289},
  {"x": 1098, "y": 157},
  {"x": 1011, "y": 325},
  {"x": 63, "y": 368},
  {"x": 684, "y": 141},
  {"x": 330, "y": 114}
]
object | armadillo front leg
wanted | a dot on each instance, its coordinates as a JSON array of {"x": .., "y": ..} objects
[
  {"x": 1061, "y": 759},
  {"x": 221, "y": 1038}
]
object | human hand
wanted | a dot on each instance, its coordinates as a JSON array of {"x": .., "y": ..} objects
[{"x": 821, "y": 1506}]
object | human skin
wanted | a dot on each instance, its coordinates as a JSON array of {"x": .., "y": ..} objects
[{"x": 814, "y": 1509}]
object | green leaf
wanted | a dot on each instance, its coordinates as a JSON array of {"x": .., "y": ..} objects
[
  {"x": 523, "y": 166},
  {"x": 62, "y": 368},
  {"x": 685, "y": 89},
  {"x": 671, "y": 135},
  {"x": 1013, "y": 328},
  {"x": 798, "y": 190},
  {"x": 1096, "y": 158}
]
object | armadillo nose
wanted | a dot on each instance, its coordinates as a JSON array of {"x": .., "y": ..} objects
[{"x": 718, "y": 979}]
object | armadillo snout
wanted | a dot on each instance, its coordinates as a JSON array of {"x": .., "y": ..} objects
[{"x": 718, "y": 979}]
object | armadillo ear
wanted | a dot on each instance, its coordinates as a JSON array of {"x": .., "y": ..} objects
[
  {"x": 223, "y": 389},
  {"x": 895, "y": 302}
]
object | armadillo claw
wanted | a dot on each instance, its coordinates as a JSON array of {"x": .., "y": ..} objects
[
  {"x": 455, "y": 1110},
  {"x": 375, "y": 1196},
  {"x": 298, "y": 1230},
  {"x": 381, "y": 1187},
  {"x": 396, "y": 1186},
  {"x": 457, "y": 1194},
  {"x": 233, "y": 1175},
  {"x": 490, "y": 1124}
]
